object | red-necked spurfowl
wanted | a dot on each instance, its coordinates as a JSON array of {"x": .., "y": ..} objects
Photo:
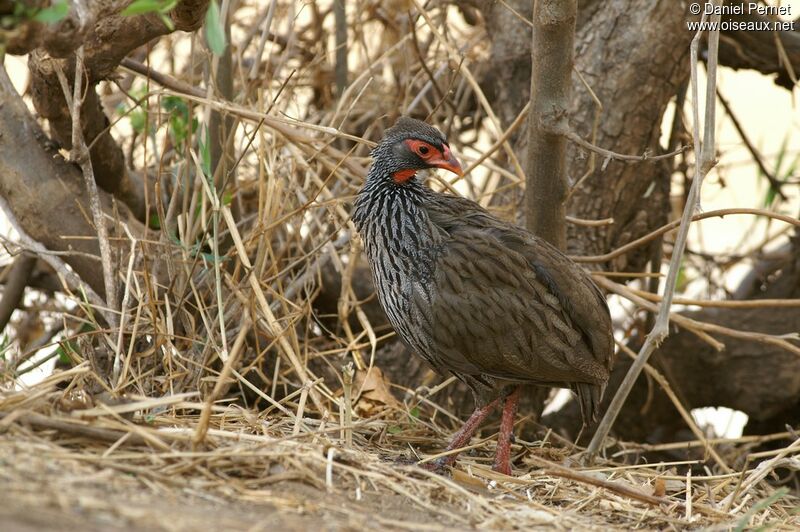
[{"x": 474, "y": 296}]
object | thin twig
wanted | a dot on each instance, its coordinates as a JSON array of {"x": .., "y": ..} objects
[
  {"x": 80, "y": 154},
  {"x": 724, "y": 303},
  {"x": 574, "y": 137}
]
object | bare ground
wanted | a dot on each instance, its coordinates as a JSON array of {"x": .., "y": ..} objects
[{"x": 46, "y": 492}]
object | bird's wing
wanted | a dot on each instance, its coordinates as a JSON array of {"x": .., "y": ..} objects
[
  {"x": 579, "y": 296},
  {"x": 513, "y": 306}
]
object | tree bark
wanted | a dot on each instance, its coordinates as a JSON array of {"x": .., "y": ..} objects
[
  {"x": 634, "y": 56},
  {"x": 552, "y": 50},
  {"x": 758, "y": 50},
  {"x": 45, "y": 193}
]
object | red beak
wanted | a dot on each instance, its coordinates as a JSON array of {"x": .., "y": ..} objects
[{"x": 447, "y": 162}]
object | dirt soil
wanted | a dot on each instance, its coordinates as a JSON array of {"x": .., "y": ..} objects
[{"x": 66, "y": 494}]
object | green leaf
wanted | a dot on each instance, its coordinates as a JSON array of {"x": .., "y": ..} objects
[
  {"x": 64, "y": 349},
  {"x": 179, "y": 118},
  {"x": 167, "y": 21},
  {"x": 781, "y": 174},
  {"x": 177, "y": 129},
  {"x": 394, "y": 429},
  {"x": 205, "y": 155},
  {"x": 175, "y": 103},
  {"x": 50, "y": 15},
  {"x": 681, "y": 281},
  {"x": 63, "y": 357},
  {"x": 772, "y": 192},
  {"x": 160, "y": 7},
  {"x": 781, "y": 154},
  {"x": 3, "y": 346},
  {"x": 414, "y": 412},
  {"x": 215, "y": 33},
  {"x": 211, "y": 258},
  {"x": 167, "y": 6},
  {"x": 138, "y": 120},
  {"x": 140, "y": 7}
]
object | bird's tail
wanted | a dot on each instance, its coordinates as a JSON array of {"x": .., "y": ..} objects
[{"x": 589, "y": 397}]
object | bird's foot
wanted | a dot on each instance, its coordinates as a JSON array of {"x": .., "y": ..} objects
[{"x": 461, "y": 438}]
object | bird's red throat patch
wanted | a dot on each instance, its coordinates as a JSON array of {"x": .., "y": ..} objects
[{"x": 401, "y": 176}]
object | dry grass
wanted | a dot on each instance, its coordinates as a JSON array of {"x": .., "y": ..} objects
[
  {"x": 136, "y": 464},
  {"x": 188, "y": 416}
]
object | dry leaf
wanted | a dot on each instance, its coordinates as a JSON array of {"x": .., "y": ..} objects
[{"x": 374, "y": 391}]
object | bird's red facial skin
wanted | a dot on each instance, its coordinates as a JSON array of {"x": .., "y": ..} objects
[
  {"x": 401, "y": 176},
  {"x": 425, "y": 151},
  {"x": 432, "y": 156}
]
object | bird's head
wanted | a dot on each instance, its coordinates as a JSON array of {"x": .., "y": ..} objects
[{"x": 411, "y": 145}]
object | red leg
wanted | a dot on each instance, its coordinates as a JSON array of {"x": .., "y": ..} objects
[
  {"x": 502, "y": 457},
  {"x": 463, "y": 435}
]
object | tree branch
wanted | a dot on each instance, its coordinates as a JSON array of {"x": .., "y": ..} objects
[
  {"x": 58, "y": 39},
  {"x": 608, "y": 154},
  {"x": 72, "y": 280},
  {"x": 768, "y": 52},
  {"x": 672, "y": 225},
  {"x": 15, "y": 285},
  {"x": 109, "y": 38}
]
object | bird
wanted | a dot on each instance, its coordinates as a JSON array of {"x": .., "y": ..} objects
[{"x": 474, "y": 296}]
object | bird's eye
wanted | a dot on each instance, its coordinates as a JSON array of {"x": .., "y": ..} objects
[{"x": 423, "y": 150}]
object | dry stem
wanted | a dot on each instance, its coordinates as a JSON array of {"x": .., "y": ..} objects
[{"x": 705, "y": 159}]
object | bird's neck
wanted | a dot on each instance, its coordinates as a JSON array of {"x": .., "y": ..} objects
[
  {"x": 382, "y": 197},
  {"x": 393, "y": 221}
]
